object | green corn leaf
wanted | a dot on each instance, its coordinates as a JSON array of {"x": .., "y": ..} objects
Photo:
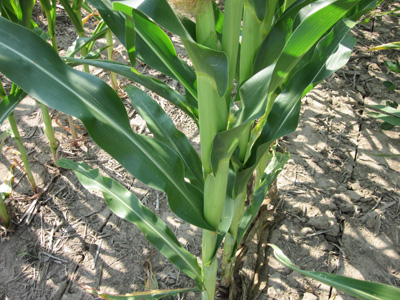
[
  {"x": 207, "y": 61},
  {"x": 253, "y": 94},
  {"x": 164, "y": 130},
  {"x": 211, "y": 63},
  {"x": 151, "y": 295},
  {"x": 32, "y": 64},
  {"x": 155, "y": 48},
  {"x": 83, "y": 42},
  {"x": 114, "y": 19},
  {"x": 76, "y": 21},
  {"x": 392, "y": 117},
  {"x": 260, "y": 7},
  {"x": 11, "y": 10},
  {"x": 219, "y": 18},
  {"x": 278, "y": 37},
  {"x": 224, "y": 145},
  {"x": 159, "y": 11},
  {"x": 331, "y": 53},
  {"x": 152, "y": 84},
  {"x": 127, "y": 206},
  {"x": 364, "y": 290},
  {"x": 130, "y": 38},
  {"x": 9, "y": 103},
  {"x": 314, "y": 21},
  {"x": 271, "y": 173},
  {"x": 390, "y": 86},
  {"x": 393, "y": 66}
]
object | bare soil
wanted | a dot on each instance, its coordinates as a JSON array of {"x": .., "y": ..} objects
[{"x": 337, "y": 208}]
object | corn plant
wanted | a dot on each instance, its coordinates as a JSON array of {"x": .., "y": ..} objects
[
  {"x": 388, "y": 112},
  {"x": 252, "y": 63}
]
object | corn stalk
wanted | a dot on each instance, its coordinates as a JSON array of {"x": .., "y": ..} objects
[{"x": 252, "y": 63}]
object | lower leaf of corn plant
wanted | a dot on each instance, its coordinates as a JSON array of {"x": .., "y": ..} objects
[
  {"x": 388, "y": 114},
  {"x": 126, "y": 205},
  {"x": 151, "y": 295},
  {"x": 364, "y": 290}
]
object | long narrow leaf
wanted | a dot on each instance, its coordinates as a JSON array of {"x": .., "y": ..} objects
[
  {"x": 207, "y": 61},
  {"x": 32, "y": 64},
  {"x": 159, "y": 11},
  {"x": 331, "y": 53},
  {"x": 392, "y": 117},
  {"x": 151, "y": 295},
  {"x": 150, "y": 83},
  {"x": 155, "y": 48},
  {"x": 313, "y": 24},
  {"x": 127, "y": 206},
  {"x": 164, "y": 130},
  {"x": 114, "y": 19},
  {"x": 364, "y": 290}
]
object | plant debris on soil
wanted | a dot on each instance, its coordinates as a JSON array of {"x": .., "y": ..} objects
[{"x": 337, "y": 208}]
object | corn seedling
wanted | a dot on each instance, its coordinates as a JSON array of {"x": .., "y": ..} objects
[
  {"x": 389, "y": 112},
  {"x": 252, "y": 63}
]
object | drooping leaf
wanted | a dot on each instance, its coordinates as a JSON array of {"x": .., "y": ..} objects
[
  {"x": 388, "y": 46},
  {"x": 392, "y": 115},
  {"x": 151, "y": 295},
  {"x": 158, "y": 10},
  {"x": 32, "y": 64},
  {"x": 164, "y": 130},
  {"x": 127, "y": 206},
  {"x": 364, "y": 290},
  {"x": 150, "y": 83}
]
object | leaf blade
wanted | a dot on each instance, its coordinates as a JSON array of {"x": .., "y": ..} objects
[
  {"x": 32, "y": 64},
  {"x": 127, "y": 206},
  {"x": 365, "y": 290}
]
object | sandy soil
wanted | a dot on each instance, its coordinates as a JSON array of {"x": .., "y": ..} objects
[{"x": 337, "y": 210}]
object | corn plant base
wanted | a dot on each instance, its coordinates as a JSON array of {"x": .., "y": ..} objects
[{"x": 251, "y": 265}]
